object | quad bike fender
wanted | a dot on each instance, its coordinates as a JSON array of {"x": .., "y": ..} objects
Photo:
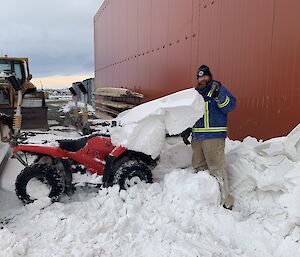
[
  {"x": 54, "y": 151},
  {"x": 110, "y": 160},
  {"x": 120, "y": 153},
  {"x": 68, "y": 173}
]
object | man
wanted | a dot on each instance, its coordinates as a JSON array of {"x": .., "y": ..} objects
[{"x": 210, "y": 131}]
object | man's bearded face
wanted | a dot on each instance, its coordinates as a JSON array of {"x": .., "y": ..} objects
[{"x": 203, "y": 81}]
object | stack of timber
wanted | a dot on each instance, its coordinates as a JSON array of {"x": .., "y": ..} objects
[{"x": 110, "y": 101}]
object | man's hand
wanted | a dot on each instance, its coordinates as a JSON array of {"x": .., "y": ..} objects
[
  {"x": 185, "y": 135},
  {"x": 215, "y": 89}
]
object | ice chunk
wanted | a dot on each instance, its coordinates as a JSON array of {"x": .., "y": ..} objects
[{"x": 144, "y": 127}]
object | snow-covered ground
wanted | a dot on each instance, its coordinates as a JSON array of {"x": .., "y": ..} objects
[
  {"x": 177, "y": 215},
  {"x": 66, "y": 108}
]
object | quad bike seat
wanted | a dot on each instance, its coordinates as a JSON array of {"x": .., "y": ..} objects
[{"x": 72, "y": 145}]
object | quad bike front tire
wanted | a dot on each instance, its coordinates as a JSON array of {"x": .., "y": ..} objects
[
  {"x": 45, "y": 173},
  {"x": 131, "y": 171}
]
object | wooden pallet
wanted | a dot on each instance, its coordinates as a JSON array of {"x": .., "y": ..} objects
[
  {"x": 117, "y": 92},
  {"x": 112, "y": 101},
  {"x": 114, "y": 104}
]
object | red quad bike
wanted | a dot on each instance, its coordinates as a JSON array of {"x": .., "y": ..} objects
[{"x": 54, "y": 165}]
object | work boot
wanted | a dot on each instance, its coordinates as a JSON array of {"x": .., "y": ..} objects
[{"x": 228, "y": 202}]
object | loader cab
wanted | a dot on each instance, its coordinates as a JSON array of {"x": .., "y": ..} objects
[{"x": 18, "y": 67}]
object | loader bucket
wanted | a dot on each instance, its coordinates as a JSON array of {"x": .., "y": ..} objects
[
  {"x": 32, "y": 117},
  {"x": 35, "y": 118}
]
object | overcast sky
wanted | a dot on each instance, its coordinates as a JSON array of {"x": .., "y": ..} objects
[{"x": 56, "y": 35}]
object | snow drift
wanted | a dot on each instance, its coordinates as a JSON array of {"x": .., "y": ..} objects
[
  {"x": 265, "y": 178},
  {"x": 144, "y": 128},
  {"x": 179, "y": 214}
]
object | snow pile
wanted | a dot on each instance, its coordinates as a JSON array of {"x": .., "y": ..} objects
[
  {"x": 144, "y": 127},
  {"x": 147, "y": 220},
  {"x": 11, "y": 245},
  {"x": 178, "y": 215},
  {"x": 265, "y": 178},
  {"x": 70, "y": 105},
  {"x": 50, "y": 139},
  {"x": 200, "y": 188}
]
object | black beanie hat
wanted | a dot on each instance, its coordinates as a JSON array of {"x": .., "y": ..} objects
[{"x": 203, "y": 70}]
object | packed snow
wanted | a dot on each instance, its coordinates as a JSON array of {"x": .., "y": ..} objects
[
  {"x": 80, "y": 105},
  {"x": 144, "y": 128},
  {"x": 178, "y": 215}
]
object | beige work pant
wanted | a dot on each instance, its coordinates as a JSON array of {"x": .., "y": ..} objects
[{"x": 208, "y": 154}]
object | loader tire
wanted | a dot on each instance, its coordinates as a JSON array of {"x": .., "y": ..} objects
[
  {"x": 44, "y": 173},
  {"x": 131, "y": 172}
]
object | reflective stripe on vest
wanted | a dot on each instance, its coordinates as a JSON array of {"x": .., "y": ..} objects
[
  {"x": 206, "y": 115},
  {"x": 207, "y": 128},
  {"x": 213, "y": 129},
  {"x": 227, "y": 100}
]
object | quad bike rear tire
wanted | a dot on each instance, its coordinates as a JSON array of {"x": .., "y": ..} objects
[
  {"x": 132, "y": 169},
  {"x": 50, "y": 175}
]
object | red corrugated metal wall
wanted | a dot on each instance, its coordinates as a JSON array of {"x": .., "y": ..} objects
[{"x": 252, "y": 46}]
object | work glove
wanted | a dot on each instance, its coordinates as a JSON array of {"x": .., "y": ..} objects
[
  {"x": 185, "y": 135},
  {"x": 215, "y": 89}
]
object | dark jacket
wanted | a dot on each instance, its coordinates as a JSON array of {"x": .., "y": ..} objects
[{"x": 213, "y": 124}]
